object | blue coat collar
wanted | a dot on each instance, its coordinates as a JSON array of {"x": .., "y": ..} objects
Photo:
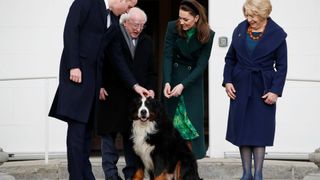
[{"x": 272, "y": 38}]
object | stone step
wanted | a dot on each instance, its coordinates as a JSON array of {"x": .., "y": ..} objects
[{"x": 209, "y": 169}]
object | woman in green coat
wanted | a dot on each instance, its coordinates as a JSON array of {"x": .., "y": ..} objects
[{"x": 187, "y": 50}]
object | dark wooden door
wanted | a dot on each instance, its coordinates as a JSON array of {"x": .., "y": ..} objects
[{"x": 159, "y": 12}]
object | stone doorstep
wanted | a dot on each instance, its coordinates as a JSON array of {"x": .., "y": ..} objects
[
  {"x": 4, "y": 176},
  {"x": 209, "y": 169}
]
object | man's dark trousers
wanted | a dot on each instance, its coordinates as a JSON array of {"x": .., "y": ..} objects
[{"x": 78, "y": 150}]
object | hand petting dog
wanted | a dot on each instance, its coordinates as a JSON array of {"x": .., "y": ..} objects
[
  {"x": 142, "y": 91},
  {"x": 149, "y": 93}
]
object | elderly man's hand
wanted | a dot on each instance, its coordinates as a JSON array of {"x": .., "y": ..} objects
[{"x": 141, "y": 90}]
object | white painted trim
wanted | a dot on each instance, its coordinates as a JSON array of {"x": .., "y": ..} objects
[
  {"x": 303, "y": 80},
  {"x": 46, "y": 123},
  {"x": 28, "y": 78}
]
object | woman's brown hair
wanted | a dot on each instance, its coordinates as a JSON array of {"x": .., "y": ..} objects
[{"x": 202, "y": 26}]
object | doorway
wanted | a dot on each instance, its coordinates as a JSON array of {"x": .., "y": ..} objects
[{"x": 159, "y": 13}]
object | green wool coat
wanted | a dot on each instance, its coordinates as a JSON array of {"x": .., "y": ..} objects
[{"x": 185, "y": 62}]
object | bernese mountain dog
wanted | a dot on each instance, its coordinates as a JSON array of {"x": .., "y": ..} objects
[{"x": 164, "y": 154}]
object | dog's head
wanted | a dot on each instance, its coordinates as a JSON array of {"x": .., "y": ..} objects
[{"x": 145, "y": 109}]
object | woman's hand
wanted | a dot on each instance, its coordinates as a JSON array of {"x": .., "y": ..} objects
[
  {"x": 270, "y": 98},
  {"x": 177, "y": 91},
  {"x": 230, "y": 90},
  {"x": 167, "y": 90}
]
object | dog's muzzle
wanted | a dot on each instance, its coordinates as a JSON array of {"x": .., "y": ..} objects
[{"x": 143, "y": 112}]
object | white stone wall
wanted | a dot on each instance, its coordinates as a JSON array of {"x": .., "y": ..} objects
[
  {"x": 31, "y": 45},
  {"x": 298, "y": 117},
  {"x": 30, "y": 49}
]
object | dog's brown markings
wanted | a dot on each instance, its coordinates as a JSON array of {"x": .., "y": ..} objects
[
  {"x": 178, "y": 171},
  {"x": 152, "y": 116},
  {"x": 138, "y": 175},
  {"x": 162, "y": 176}
]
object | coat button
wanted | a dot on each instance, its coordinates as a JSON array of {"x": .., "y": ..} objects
[
  {"x": 175, "y": 64},
  {"x": 189, "y": 68}
]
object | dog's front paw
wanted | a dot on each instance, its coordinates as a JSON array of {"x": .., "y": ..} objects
[{"x": 139, "y": 175}]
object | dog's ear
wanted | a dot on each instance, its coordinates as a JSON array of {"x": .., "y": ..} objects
[
  {"x": 155, "y": 103},
  {"x": 133, "y": 104},
  {"x": 150, "y": 99},
  {"x": 156, "y": 107},
  {"x": 133, "y": 107}
]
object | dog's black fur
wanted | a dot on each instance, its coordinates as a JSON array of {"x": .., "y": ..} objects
[{"x": 166, "y": 144}]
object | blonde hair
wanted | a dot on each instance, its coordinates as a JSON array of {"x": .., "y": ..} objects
[{"x": 260, "y": 8}]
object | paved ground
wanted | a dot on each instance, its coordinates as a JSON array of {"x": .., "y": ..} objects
[{"x": 209, "y": 169}]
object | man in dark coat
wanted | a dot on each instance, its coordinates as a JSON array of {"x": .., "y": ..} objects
[
  {"x": 90, "y": 26},
  {"x": 113, "y": 109}
]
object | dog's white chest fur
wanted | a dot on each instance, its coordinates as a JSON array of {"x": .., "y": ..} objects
[{"x": 140, "y": 132}]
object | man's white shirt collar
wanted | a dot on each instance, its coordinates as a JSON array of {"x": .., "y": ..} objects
[
  {"x": 108, "y": 17},
  {"x": 107, "y": 3}
]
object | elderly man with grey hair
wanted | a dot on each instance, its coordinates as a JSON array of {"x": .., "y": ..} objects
[{"x": 115, "y": 97}]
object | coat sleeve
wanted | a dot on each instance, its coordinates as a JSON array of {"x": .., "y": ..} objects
[
  {"x": 201, "y": 64},
  {"x": 105, "y": 68},
  {"x": 151, "y": 74},
  {"x": 168, "y": 52},
  {"x": 78, "y": 12},
  {"x": 230, "y": 62},
  {"x": 119, "y": 63},
  {"x": 281, "y": 69}
]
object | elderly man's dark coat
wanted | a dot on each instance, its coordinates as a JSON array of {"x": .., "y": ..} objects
[
  {"x": 251, "y": 121},
  {"x": 113, "y": 113}
]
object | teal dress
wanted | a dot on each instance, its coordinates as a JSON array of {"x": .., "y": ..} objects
[{"x": 185, "y": 60}]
